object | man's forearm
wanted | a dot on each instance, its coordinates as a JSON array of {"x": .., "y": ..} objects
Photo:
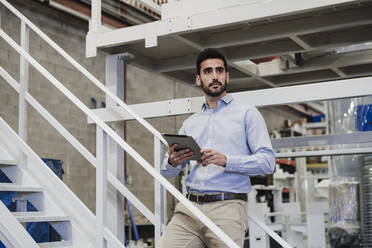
[{"x": 262, "y": 162}]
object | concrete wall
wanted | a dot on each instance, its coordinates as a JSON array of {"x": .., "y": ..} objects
[{"x": 142, "y": 86}]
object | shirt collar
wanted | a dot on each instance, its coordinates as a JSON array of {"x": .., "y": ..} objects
[{"x": 226, "y": 99}]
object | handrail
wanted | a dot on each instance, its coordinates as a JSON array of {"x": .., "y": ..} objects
[
  {"x": 84, "y": 71},
  {"x": 78, "y": 146},
  {"x": 134, "y": 154},
  {"x": 14, "y": 228}
]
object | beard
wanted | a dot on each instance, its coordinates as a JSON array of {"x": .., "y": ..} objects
[{"x": 211, "y": 92}]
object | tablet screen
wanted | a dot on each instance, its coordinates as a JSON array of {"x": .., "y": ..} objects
[{"x": 184, "y": 142}]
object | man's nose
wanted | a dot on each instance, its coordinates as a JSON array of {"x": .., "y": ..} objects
[{"x": 214, "y": 74}]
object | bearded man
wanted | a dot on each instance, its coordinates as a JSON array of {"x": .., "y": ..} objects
[{"x": 234, "y": 144}]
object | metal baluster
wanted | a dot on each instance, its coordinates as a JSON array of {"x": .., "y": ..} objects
[
  {"x": 23, "y": 79},
  {"x": 159, "y": 193},
  {"x": 101, "y": 187}
]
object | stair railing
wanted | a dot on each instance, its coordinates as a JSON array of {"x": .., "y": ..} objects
[
  {"x": 9, "y": 226},
  {"x": 104, "y": 130}
]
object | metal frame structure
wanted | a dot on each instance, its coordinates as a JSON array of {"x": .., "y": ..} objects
[
  {"x": 248, "y": 30},
  {"x": 260, "y": 98}
]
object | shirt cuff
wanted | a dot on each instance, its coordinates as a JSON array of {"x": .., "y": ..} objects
[
  {"x": 171, "y": 167},
  {"x": 232, "y": 163}
]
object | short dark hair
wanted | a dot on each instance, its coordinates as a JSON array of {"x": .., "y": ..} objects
[{"x": 209, "y": 53}]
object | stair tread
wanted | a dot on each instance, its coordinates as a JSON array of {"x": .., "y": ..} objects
[
  {"x": 7, "y": 162},
  {"x": 20, "y": 188},
  {"x": 64, "y": 244},
  {"x": 39, "y": 217}
]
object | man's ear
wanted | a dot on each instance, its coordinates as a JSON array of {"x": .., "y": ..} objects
[
  {"x": 227, "y": 77},
  {"x": 197, "y": 80}
]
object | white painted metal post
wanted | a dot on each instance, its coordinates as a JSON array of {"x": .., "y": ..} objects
[
  {"x": 23, "y": 80},
  {"x": 101, "y": 186},
  {"x": 302, "y": 183},
  {"x": 315, "y": 225},
  {"x": 257, "y": 236},
  {"x": 267, "y": 230},
  {"x": 159, "y": 193},
  {"x": 115, "y": 202},
  {"x": 96, "y": 16}
]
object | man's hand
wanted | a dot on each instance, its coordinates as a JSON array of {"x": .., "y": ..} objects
[
  {"x": 176, "y": 158},
  {"x": 210, "y": 156}
]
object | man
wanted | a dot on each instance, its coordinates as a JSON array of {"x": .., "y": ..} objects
[{"x": 234, "y": 144}]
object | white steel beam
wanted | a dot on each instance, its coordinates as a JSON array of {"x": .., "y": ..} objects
[
  {"x": 339, "y": 20},
  {"x": 322, "y": 140},
  {"x": 300, "y": 42},
  {"x": 347, "y": 88},
  {"x": 166, "y": 66},
  {"x": 327, "y": 152},
  {"x": 147, "y": 110},
  {"x": 339, "y": 72},
  {"x": 278, "y": 47},
  {"x": 237, "y": 66},
  {"x": 311, "y": 79},
  {"x": 273, "y": 48},
  {"x": 332, "y": 62},
  {"x": 237, "y": 14},
  {"x": 115, "y": 202}
]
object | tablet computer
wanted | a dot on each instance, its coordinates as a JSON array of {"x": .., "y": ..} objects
[{"x": 184, "y": 142}]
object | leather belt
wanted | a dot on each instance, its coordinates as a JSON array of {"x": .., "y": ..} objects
[{"x": 216, "y": 197}]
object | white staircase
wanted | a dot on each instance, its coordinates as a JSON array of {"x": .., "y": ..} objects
[{"x": 42, "y": 192}]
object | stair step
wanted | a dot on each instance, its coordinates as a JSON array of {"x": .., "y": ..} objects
[
  {"x": 64, "y": 244},
  {"x": 19, "y": 188},
  {"x": 39, "y": 217},
  {"x": 7, "y": 162}
]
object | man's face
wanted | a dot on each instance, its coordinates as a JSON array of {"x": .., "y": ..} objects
[{"x": 213, "y": 77}]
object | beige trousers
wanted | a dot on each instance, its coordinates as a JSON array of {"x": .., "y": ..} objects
[{"x": 186, "y": 231}]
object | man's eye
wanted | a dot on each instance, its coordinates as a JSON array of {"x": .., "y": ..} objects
[
  {"x": 220, "y": 69},
  {"x": 207, "y": 71}
]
